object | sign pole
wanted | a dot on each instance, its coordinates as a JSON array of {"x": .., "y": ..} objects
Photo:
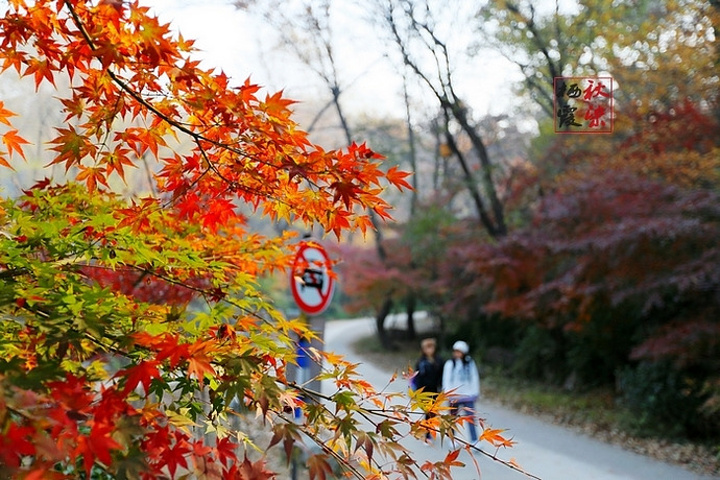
[{"x": 312, "y": 288}]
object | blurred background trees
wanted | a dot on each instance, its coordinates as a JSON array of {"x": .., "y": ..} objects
[{"x": 591, "y": 259}]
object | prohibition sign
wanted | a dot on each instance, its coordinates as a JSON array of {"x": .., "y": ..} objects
[{"x": 311, "y": 284}]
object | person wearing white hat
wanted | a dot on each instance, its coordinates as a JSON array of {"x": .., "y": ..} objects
[{"x": 461, "y": 382}]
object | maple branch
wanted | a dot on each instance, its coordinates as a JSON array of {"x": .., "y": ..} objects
[
  {"x": 111, "y": 348},
  {"x": 197, "y": 137},
  {"x": 390, "y": 414},
  {"x": 212, "y": 167},
  {"x": 347, "y": 466}
]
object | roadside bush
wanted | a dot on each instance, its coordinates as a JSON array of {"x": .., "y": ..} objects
[
  {"x": 539, "y": 356},
  {"x": 665, "y": 401}
]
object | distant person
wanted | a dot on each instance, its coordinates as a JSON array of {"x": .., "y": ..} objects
[
  {"x": 428, "y": 372},
  {"x": 461, "y": 381}
]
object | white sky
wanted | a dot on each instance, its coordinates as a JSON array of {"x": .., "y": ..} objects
[{"x": 235, "y": 42}]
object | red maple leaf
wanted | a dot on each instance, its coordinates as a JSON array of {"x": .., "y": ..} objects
[
  {"x": 226, "y": 450},
  {"x": 175, "y": 456},
  {"x": 16, "y": 443},
  {"x": 96, "y": 446},
  {"x": 140, "y": 374}
]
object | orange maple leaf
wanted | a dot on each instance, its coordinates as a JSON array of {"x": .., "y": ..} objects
[
  {"x": 493, "y": 436},
  {"x": 117, "y": 160},
  {"x": 13, "y": 141},
  {"x": 5, "y": 114},
  {"x": 451, "y": 459},
  {"x": 41, "y": 70},
  {"x": 92, "y": 176},
  {"x": 397, "y": 178},
  {"x": 199, "y": 362}
]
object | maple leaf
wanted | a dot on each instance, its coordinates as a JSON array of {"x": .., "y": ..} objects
[
  {"x": 4, "y": 162},
  {"x": 200, "y": 449},
  {"x": 451, "y": 459},
  {"x": 226, "y": 449},
  {"x": 41, "y": 70},
  {"x": 96, "y": 446},
  {"x": 364, "y": 222},
  {"x": 249, "y": 470},
  {"x": 5, "y": 114},
  {"x": 15, "y": 443},
  {"x": 92, "y": 176},
  {"x": 397, "y": 178},
  {"x": 116, "y": 160},
  {"x": 72, "y": 147},
  {"x": 345, "y": 191},
  {"x": 176, "y": 455},
  {"x": 199, "y": 365},
  {"x": 72, "y": 392},
  {"x": 218, "y": 212},
  {"x": 382, "y": 212},
  {"x": 276, "y": 105},
  {"x": 169, "y": 348},
  {"x": 13, "y": 141},
  {"x": 493, "y": 436},
  {"x": 140, "y": 374},
  {"x": 318, "y": 467}
]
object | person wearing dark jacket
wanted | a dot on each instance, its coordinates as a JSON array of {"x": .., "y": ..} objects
[{"x": 428, "y": 372}]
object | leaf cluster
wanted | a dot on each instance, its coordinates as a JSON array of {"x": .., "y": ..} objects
[{"x": 134, "y": 329}]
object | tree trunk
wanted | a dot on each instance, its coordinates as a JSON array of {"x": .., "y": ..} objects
[
  {"x": 460, "y": 115},
  {"x": 380, "y": 324},
  {"x": 410, "y": 304}
]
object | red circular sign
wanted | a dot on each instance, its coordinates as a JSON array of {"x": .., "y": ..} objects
[{"x": 310, "y": 281}]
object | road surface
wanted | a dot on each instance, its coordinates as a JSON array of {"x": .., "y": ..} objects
[{"x": 547, "y": 451}]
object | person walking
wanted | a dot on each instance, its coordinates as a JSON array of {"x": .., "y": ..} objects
[
  {"x": 428, "y": 372},
  {"x": 461, "y": 381}
]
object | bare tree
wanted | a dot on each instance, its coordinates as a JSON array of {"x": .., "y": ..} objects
[{"x": 411, "y": 25}]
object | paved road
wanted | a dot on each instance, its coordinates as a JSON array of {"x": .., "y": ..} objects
[{"x": 545, "y": 450}]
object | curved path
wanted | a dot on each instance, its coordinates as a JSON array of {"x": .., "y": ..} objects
[{"x": 547, "y": 451}]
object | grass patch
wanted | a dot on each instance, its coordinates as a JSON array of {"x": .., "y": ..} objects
[{"x": 596, "y": 407}]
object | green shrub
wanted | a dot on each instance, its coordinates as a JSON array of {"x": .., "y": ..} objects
[
  {"x": 539, "y": 356},
  {"x": 664, "y": 400}
]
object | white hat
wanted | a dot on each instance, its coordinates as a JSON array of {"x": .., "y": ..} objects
[{"x": 461, "y": 346}]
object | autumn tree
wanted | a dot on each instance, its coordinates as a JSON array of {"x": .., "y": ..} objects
[
  {"x": 97, "y": 381},
  {"x": 660, "y": 56},
  {"x": 617, "y": 269},
  {"x": 594, "y": 284}
]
